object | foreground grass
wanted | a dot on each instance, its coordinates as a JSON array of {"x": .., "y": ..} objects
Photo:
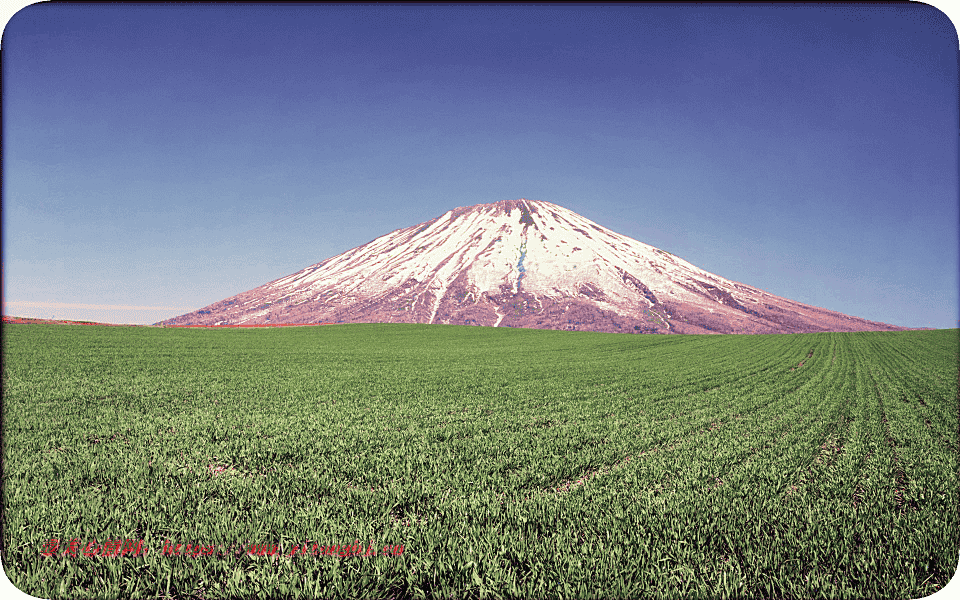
[{"x": 489, "y": 462}]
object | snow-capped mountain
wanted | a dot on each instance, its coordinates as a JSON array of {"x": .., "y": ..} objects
[{"x": 520, "y": 263}]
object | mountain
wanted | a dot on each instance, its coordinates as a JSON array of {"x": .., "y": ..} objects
[{"x": 520, "y": 263}]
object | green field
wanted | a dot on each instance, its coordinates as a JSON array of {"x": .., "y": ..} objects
[{"x": 490, "y": 463}]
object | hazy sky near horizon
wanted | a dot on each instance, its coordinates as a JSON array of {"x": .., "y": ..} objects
[{"x": 159, "y": 158}]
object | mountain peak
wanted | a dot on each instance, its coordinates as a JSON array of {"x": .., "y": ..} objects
[
  {"x": 503, "y": 207},
  {"x": 519, "y": 263}
]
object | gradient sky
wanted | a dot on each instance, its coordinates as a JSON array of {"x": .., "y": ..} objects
[{"x": 160, "y": 158}]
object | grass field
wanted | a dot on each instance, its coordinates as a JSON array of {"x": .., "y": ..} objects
[{"x": 478, "y": 462}]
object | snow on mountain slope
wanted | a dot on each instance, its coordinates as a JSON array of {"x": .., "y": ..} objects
[{"x": 519, "y": 263}]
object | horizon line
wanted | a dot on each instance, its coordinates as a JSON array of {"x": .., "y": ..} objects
[{"x": 87, "y": 306}]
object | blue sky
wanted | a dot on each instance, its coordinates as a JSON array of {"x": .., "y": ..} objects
[{"x": 160, "y": 158}]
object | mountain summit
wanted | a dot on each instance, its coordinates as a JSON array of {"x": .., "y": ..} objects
[{"x": 520, "y": 263}]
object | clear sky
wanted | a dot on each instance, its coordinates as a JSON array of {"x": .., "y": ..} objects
[{"x": 160, "y": 158}]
